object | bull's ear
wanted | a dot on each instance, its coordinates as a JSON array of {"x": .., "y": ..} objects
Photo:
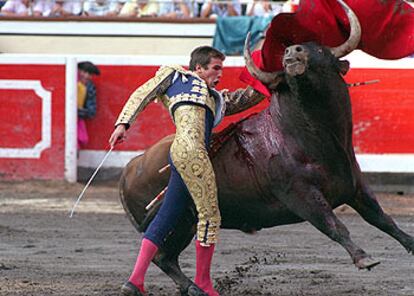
[{"x": 343, "y": 67}]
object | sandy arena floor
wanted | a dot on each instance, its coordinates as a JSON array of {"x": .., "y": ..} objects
[{"x": 43, "y": 252}]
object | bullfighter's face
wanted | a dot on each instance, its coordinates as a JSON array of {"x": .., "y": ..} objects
[{"x": 211, "y": 74}]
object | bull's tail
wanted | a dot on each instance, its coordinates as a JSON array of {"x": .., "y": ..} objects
[
  {"x": 131, "y": 217},
  {"x": 140, "y": 226}
]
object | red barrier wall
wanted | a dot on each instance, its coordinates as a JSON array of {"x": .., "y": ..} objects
[
  {"x": 382, "y": 112},
  {"x": 22, "y": 112},
  {"x": 38, "y": 126}
]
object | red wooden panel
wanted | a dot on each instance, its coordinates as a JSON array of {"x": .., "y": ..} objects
[
  {"x": 383, "y": 112},
  {"x": 21, "y": 113},
  {"x": 22, "y": 118}
]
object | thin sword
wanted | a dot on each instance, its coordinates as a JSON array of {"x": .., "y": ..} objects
[{"x": 89, "y": 182}]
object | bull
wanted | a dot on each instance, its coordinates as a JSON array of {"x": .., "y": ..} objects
[{"x": 290, "y": 163}]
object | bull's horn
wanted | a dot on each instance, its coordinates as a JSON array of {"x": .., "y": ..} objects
[
  {"x": 354, "y": 35},
  {"x": 265, "y": 77}
]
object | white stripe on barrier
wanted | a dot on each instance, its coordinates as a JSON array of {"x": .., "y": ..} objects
[
  {"x": 46, "y": 119},
  {"x": 358, "y": 60},
  {"x": 91, "y": 158},
  {"x": 71, "y": 120},
  {"x": 38, "y": 59},
  {"x": 377, "y": 163},
  {"x": 107, "y": 28},
  {"x": 386, "y": 163}
]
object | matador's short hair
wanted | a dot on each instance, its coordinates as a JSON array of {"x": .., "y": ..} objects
[{"x": 202, "y": 56}]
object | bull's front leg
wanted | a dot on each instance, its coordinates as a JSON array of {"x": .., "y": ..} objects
[
  {"x": 368, "y": 207},
  {"x": 168, "y": 255},
  {"x": 308, "y": 202}
]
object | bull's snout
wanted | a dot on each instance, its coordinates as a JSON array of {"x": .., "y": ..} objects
[
  {"x": 295, "y": 60},
  {"x": 294, "y": 53},
  {"x": 294, "y": 49}
]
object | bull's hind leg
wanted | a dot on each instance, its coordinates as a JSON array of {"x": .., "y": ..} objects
[
  {"x": 368, "y": 207},
  {"x": 308, "y": 203}
]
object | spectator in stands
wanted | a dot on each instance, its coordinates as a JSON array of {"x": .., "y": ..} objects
[
  {"x": 196, "y": 7},
  {"x": 217, "y": 9},
  {"x": 65, "y": 8},
  {"x": 140, "y": 8},
  {"x": 42, "y": 8},
  {"x": 86, "y": 99},
  {"x": 262, "y": 8},
  {"x": 57, "y": 8},
  {"x": 175, "y": 9},
  {"x": 17, "y": 8},
  {"x": 102, "y": 7}
]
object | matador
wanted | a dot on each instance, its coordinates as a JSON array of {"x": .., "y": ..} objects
[{"x": 195, "y": 107}]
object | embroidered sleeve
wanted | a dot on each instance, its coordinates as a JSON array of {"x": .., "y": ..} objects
[
  {"x": 241, "y": 100},
  {"x": 143, "y": 95}
]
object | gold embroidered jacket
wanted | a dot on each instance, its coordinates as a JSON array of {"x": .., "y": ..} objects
[{"x": 173, "y": 84}]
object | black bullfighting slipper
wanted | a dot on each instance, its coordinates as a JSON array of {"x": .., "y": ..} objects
[
  {"x": 129, "y": 289},
  {"x": 193, "y": 290}
]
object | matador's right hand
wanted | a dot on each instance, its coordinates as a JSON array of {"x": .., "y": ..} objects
[{"x": 118, "y": 135}]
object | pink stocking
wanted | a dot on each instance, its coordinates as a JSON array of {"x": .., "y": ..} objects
[
  {"x": 204, "y": 255},
  {"x": 145, "y": 256}
]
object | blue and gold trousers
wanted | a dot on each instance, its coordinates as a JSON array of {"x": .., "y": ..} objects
[{"x": 192, "y": 177}]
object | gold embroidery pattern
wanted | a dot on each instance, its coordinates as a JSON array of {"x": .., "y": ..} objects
[
  {"x": 200, "y": 83},
  {"x": 142, "y": 96},
  {"x": 195, "y": 98},
  {"x": 166, "y": 102},
  {"x": 190, "y": 157},
  {"x": 241, "y": 100},
  {"x": 201, "y": 90}
]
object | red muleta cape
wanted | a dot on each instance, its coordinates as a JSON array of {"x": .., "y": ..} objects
[{"x": 387, "y": 31}]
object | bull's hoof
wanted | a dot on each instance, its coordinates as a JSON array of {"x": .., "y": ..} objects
[
  {"x": 410, "y": 247},
  {"x": 193, "y": 290},
  {"x": 367, "y": 263}
]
